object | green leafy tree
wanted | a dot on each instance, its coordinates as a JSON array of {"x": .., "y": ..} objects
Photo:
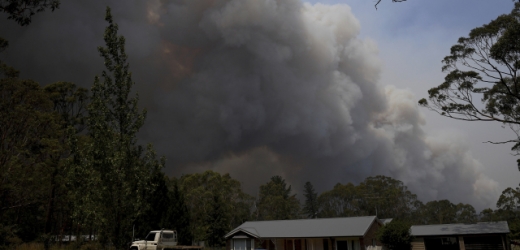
[
  {"x": 445, "y": 212},
  {"x": 177, "y": 215},
  {"x": 378, "y": 195},
  {"x": 199, "y": 190},
  {"x": 509, "y": 200},
  {"x": 387, "y": 198},
  {"x": 21, "y": 11},
  {"x": 439, "y": 212},
  {"x": 488, "y": 215},
  {"x": 114, "y": 173},
  {"x": 311, "y": 207},
  {"x": 29, "y": 134},
  {"x": 276, "y": 202},
  {"x": 159, "y": 201},
  {"x": 465, "y": 213},
  {"x": 484, "y": 67},
  {"x": 395, "y": 235},
  {"x": 35, "y": 125},
  {"x": 341, "y": 201},
  {"x": 217, "y": 223},
  {"x": 507, "y": 209},
  {"x": 69, "y": 103}
]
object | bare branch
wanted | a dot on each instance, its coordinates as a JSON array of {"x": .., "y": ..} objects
[
  {"x": 501, "y": 142},
  {"x": 395, "y": 1}
]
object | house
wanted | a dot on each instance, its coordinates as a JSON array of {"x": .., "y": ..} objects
[
  {"x": 483, "y": 235},
  {"x": 349, "y": 233}
]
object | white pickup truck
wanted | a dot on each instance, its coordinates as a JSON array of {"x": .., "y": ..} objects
[{"x": 160, "y": 240}]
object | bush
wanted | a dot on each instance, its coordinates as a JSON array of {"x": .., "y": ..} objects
[{"x": 395, "y": 235}]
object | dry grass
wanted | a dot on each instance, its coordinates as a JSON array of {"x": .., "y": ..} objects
[{"x": 39, "y": 246}]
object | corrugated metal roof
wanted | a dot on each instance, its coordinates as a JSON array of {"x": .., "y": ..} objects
[
  {"x": 460, "y": 229},
  {"x": 308, "y": 228}
]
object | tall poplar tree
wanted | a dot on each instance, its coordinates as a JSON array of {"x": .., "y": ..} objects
[{"x": 116, "y": 172}]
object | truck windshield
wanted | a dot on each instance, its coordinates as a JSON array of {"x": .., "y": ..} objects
[{"x": 150, "y": 237}]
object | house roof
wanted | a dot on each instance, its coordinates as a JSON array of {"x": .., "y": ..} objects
[
  {"x": 308, "y": 228},
  {"x": 461, "y": 229}
]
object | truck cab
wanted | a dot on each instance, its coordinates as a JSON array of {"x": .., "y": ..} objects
[{"x": 157, "y": 240}]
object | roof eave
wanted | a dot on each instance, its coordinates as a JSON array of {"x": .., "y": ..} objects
[{"x": 241, "y": 230}]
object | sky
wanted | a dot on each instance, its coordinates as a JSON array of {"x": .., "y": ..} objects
[
  {"x": 320, "y": 91},
  {"x": 413, "y": 37}
]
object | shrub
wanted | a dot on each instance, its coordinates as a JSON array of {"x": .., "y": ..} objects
[{"x": 395, "y": 235}]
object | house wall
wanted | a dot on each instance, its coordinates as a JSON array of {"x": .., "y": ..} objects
[
  {"x": 461, "y": 243},
  {"x": 315, "y": 244},
  {"x": 370, "y": 235},
  {"x": 308, "y": 243},
  {"x": 418, "y": 244},
  {"x": 348, "y": 243}
]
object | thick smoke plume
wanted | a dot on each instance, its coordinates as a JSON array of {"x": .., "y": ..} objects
[{"x": 259, "y": 88}]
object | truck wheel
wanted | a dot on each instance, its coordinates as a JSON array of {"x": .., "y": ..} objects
[{"x": 134, "y": 248}]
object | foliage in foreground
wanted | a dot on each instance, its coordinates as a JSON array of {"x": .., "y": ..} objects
[{"x": 395, "y": 235}]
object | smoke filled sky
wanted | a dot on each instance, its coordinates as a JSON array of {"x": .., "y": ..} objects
[{"x": 320, "y": 91}]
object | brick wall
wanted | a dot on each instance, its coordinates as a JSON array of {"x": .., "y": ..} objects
[{"x": 370, "y": 235}]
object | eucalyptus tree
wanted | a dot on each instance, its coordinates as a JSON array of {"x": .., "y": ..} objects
[
  {"x": 387, "y": 198},
  {"x": 276, "y": 201},
  {"x": 444, "y": 212},
  {"x": 69, "y": 104},
  {"x": 483, "y": 81},
  {"x": 202, "y": 191},
  {"x": 342, "y": 201},
  {"x": 35, "y": 125},
  {"x": 29, "y": 133}
]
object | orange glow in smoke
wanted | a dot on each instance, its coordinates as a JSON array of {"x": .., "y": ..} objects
[{"x": 179, "y": 61}]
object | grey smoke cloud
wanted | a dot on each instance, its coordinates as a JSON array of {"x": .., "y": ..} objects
[{"x": 259, "y": 88}]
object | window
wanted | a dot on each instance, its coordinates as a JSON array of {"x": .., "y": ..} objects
[
  {"x": 168, "y": 237},
  {"x": 325, "y": 244},
  {"x": 342, "y": 245},
  {"x": 441, "y": 243},
  {"x": 491, "y": 242},
  {"x": 150, "y": 237},
  {"x": 241, "y": 244}
]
